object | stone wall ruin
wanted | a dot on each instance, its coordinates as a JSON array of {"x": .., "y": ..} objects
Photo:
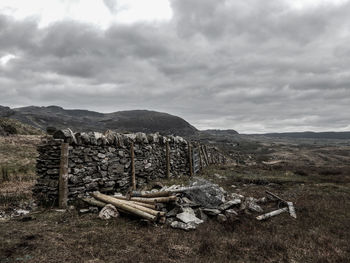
[{"x": 102, "y": 162}]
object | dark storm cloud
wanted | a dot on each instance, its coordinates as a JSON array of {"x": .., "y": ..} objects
[{"x": 249, "y": 65}]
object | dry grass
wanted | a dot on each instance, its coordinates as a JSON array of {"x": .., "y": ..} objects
[
  {"x": 318, "y": 235},
  {"x": 321, "y": 195}
]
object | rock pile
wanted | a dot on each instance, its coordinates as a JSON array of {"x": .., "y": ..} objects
[{"x": 193, "y": 205}]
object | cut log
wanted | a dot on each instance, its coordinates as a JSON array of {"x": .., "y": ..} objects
[
  {"x": 149, "y": 200},
  {"x": 271, "y": 214},
  {"x": 152, "y": 206},
  {"x": 291, "y": 210},
  {"x": 150, "y": 194},
  {"x": 94, "y": 202},
  {"x": 143, "y": 208},
  {"x": 290, "y": 205},
  {"x": 277, "y": 197},
  {"x": 122, "y": 205}
]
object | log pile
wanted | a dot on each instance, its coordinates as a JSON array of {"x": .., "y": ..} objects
[
  {"x": 144, "y": 206},
  {"x": 187, "y": 207}
]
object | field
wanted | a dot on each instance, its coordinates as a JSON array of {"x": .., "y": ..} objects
[{"x": 315, "y": 177}]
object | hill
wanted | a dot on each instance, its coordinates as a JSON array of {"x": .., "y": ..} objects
[
  {"x": 84, "y": 120},
  {"x": 311, "y": 135}
]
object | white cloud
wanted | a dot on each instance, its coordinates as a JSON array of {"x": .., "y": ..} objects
[
  {"x": 97, "y": 12},
  {"x": 6, "y": 58}
]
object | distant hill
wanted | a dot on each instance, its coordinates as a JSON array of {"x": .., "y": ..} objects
[
  {"x": 84, "y": 120},
  {"x": 13, "y": 127},
  {"x": 220, "y": 132},
  {"x": 311, "y": 135}
]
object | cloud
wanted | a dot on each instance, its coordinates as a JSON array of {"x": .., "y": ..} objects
[{"x": 254, "y": 66}]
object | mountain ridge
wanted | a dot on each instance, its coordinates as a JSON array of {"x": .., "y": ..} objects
[{"x": 43, "y": 117}]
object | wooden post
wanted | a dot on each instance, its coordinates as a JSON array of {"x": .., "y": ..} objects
[
  {"x": 63, "y": 177},
  {"x": 206, "y": 153},
  {"x": 190, "y": 158},
  {"x": 133, "y": 177},
  {"x": 200, "y": 157},
  {"x": 205, "y": 157},
  {"x": 167, "y": 159}
]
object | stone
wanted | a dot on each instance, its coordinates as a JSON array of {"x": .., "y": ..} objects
[
  {"x": 91, "y": 186},
  {"x": 101, "y": 155},
  {"x": 250, "y": 203},
  {"x": 108, "y": 212},
  {"x": 230, "y": 213},
  {"x": 173, "y": 212},
  {"x": 84, "y": 211},
  {"x": 221, "y": 218},
  {"x": 188, "y": 217},
  {"x": 201, "y": 215},
  {"x": 229, "y": 203},
  {"x": 93, "y": 209},
  {"x": 211, "y": 212},
  {"x": 209, "y": 195},
  {"x": 183, "y": 226}
]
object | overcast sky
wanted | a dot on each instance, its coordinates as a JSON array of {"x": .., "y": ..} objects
[{"x": 251, "y": 65}]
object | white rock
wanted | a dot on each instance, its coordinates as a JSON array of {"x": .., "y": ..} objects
[
  {"x": 180, "y": 225},
  {"x": 211, "y": 212},
  {"x": 188, "y": 217},
  {"x": 108, "y": 212},
  {"x": 230, "y": 203}
]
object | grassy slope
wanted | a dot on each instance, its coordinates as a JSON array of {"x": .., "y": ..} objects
[
  {"x": 16, "y": 127},
  {"x": 17, "y": 160}
]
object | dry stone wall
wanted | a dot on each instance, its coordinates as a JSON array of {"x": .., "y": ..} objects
[{"x": 103, "y": 162}]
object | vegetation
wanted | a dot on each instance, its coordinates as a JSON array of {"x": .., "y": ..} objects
[
  {"x": 14, "y": 127},
  {"x": 317, "y": 181}
]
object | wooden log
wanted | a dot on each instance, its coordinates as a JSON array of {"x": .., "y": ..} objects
[
  {"x": 290, "y": 205},
  {"x": 94, "y": 202},
  {"x": 167, "y": 159},
  {"x": 190, "y": 158},
  {"x": 271, "y": 214},
  {"x": 152, "y": 206},
  {"x": 149, "y": 200},
  {"x": 122, "y": 205},
  {"x": 133, "y": 176},
  {"x": 291, "y": 210},
  {"x": 143, "y": 208},
  {"x": 150, "y": 194},
  {"x": 277, "y": 197},
  {"x": 63, "y": 177}
]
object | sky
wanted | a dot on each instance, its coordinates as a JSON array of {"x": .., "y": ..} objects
[{"x": 250, "y": 65}]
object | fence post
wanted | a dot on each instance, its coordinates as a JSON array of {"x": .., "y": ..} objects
[
  {"x": 190, "y": 158},
  {"x": 200, "y": 157},
  {"x": 63, "y": 177},
  {"x": 167, "y": 159},
  {"x": 133, "y": 177}
]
